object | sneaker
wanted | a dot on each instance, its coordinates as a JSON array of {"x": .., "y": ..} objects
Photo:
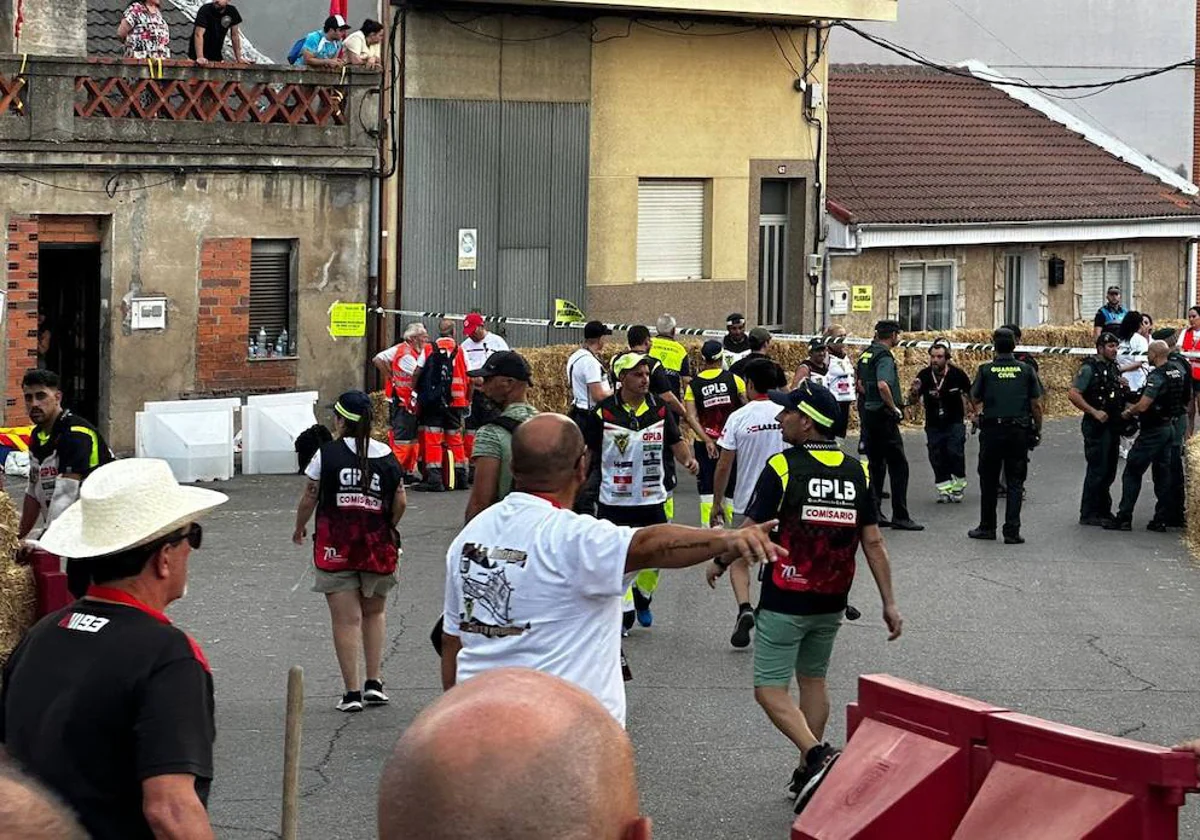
[
  {"x": 1013, "y": 538},
  {"x": 1118, "y": 523},
  {"x": 981, "y": 534},
  {"x": 1094, "y": 521},
  {"x": 373, "y": 693},
  {"x": 906, "y": 525},
  {"x": 943, "y": 498},
  {"x": 799, "y": 777},
  {"x": 1155, "y": 525},
  {"x": 819, "y": 762},
  {"x": 742, "y": 628},
  {"x": 627, "y": 619},
  {"x": 956, "y": 496},
  {"x": 641, "y": 606},
  {"x": 351, "y": 702}
]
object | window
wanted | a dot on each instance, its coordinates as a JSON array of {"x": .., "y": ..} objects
[
  {"x": 671, "y": 230},
  {"x": 1098, "y": 274},
  {"x": 926, "y": 296},
  {"x": 273, "y": 293}
]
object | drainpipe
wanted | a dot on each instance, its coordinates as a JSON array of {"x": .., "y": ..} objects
[
  {"x": 373, "y": 322},
  {"x": 1191, "y": 275}
]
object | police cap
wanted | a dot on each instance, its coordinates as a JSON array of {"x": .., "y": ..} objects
[
  {"x": 1163, "y": 334},
  {"x": 1107, "y": 337}
]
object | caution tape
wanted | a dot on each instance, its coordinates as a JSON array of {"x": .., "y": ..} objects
[{"x": 1032, "y": 349}]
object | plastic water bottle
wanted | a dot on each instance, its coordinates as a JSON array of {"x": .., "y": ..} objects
[
  {"x": 253, "y": 348},
  {"x": 262, "y": 341},
  {"x": 281, "y": 343}
]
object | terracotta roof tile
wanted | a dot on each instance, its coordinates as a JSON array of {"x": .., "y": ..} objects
[{"x": 911, "y": 145}]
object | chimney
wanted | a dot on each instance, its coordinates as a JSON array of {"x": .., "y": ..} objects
[{"x": 52, "y": 27}]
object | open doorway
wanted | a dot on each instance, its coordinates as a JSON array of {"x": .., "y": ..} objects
[{"x": 69, "y": 322}]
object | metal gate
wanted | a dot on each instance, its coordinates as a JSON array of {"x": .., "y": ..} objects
[{"x": 772, "y": 270}]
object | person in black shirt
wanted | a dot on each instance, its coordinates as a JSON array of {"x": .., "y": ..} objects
[
  {"x": 944, "y": 390},
  {"x": 104, "y": 701},
  {"x": 215, "y": 21},
  {"x": 760, "y": 340}
]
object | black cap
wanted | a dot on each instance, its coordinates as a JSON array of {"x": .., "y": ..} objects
[
  {"x": 1107, "y": 337},
  {"x": 353, "y": 406},
  {"x": 735, "y": 318},
  {"x": 818, "y": 343},
  {"x": 1163, "y": 334},
  {"x": 595, "y": 329},
  {"x": 711, "y": 349},
  {"x": 335, "y": 22},
  {"x": 504, "y": 363},
  {"x": 887, "y": 327},
  {"x": 815, "y": 401},
  {"x": 1112, "y": 289}
]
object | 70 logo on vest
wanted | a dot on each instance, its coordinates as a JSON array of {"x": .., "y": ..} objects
[
  {"x": 352, "y": 477},
  {"x": 827, "y": 488}
]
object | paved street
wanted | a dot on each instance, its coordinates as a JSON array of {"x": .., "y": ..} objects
[{"x": 1079, "y": 625}]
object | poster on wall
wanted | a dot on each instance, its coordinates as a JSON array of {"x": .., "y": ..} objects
[
  {"x": 468, "y": 241},
  {"x": 860, "y": 299}
]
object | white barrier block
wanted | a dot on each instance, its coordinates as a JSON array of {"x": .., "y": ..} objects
[
  {"x": 195, "y": 437},
  {"x": 270, "y": 425}
]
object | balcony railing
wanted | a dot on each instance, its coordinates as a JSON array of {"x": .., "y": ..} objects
[{"x": 117, "y": 107}]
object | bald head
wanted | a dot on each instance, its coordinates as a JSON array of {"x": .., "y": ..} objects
[
  {"x": 30, "y": 812},
  {"x": 446, "y": 328},
  {"x": 508, "y": 755},
  {"x": 545, "y": 453},
  {"x": 1157, "y": 352}
]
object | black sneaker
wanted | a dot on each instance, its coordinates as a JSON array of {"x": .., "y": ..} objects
[
  {"x": 819, "y": 761},
  {"x": 1119, "y": 523},
  {"x": 373, "y": 693},
  {"x": 1013, "y": 539},
  {"x": 1155, "y": 525},
  {"x": 799, "y": 777},
  {"x": 351, "y": 702},
  {"x": 1094, "y": 521},
  {"x": 981, "y": 534},
  {"x": 742, "y": 628},
  {"x": 906, "y": 525}
]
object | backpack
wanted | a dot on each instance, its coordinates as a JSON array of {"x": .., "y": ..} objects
[
  {"x": 297, "y": 48},
  {"x": 433, "y": 385},
  {"x": 508, "y": 424}
]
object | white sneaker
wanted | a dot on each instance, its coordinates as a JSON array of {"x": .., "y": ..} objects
[
  {"x": 373, "y": 693},
  {"x": 351, "y": 702}
]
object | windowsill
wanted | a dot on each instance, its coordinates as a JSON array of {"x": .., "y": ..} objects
[{"x": 272, "y": 358}]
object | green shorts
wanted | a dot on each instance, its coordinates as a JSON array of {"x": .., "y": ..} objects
[
  {"x": 792, "y": 644},
  {"x": 370, "y": 584}
]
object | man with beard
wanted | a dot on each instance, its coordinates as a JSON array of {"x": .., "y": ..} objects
[{"x": 944, "y": 389}]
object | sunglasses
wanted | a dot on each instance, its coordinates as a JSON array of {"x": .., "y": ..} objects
[{"x": 194, "y": 534}]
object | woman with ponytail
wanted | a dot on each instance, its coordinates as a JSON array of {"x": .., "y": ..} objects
[{"x": 355, "y": 487}]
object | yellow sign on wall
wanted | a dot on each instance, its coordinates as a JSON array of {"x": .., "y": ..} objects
[
  {"x": 860, "y": 299},
  {"x": 348, "y": 320}
]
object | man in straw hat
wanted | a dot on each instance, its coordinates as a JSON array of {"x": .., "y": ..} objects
[{"x": 105, "y": 701}]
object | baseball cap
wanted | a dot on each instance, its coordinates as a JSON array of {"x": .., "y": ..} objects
[
  {"x": 353, "y": 405},
  {"x": 1112, "y": 289},
  {"x": 627, "y": 362},
  {"x": 472, "y": 322},
  {"x": 1107, "y": 337},
  {"x": 761, "y": 334},
  {"x": 711, "y": 349},
  {"x": 818, "y": 343},
  {"x": 734, "y": 319},
  {"x": 810, "y": 399},
  {"x": 336, "y": 22},
  {"x": 887, "y": 327},
  {"x": 1163, "y": 334},
  {"x": 595, "y": 329},
  {"x": 504, "y": 363}
]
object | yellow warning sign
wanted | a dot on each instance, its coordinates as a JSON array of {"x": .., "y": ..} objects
[
  {"x": 860, "y": 297},
  {"x": 348, "y": 320},
  {"x": 566, "y": 312}
]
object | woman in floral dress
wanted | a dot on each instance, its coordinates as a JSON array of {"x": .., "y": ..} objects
[{"x": 145, "y": 31}]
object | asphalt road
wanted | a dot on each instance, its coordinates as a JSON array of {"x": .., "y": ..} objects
[{"x": 1081, "y": 626}]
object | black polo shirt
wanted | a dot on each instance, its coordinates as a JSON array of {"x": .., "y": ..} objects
[{"x": 100, "y": 696}]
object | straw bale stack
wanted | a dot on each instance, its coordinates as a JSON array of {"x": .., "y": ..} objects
[
  {"x": 1191, "y": 534},
  {"x": 16, "y": 583}
]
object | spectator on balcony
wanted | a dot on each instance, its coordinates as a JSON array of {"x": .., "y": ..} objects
[
  {"x": 145, "y": 33},
  {"x": 363, "y": 47},
  {"x": 323, "y": 48},
  {"x": 214, "y": 22}
]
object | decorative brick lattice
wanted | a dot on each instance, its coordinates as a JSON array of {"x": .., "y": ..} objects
[
  {"x": 12, "y": 102},
  {"x": 21, "y": 255},
  {"x": 200, "y": 100}
]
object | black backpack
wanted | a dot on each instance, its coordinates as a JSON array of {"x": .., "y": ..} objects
[{"x": 433, "y": 385}]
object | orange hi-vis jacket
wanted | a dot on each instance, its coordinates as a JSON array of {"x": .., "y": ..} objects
[
  {"x": 459, "y": 397},
  {"x": 401, "y": 384}
]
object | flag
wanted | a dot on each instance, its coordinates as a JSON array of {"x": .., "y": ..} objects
[
  {"x": 340, "y": 7},
  {"x": 566, "y": 312}
]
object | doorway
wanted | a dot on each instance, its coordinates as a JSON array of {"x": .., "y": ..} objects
[
  {"x": 1022, "y": 296},
  {"x": 69, "y": 322},
  {"x": 772, "y": 253}
]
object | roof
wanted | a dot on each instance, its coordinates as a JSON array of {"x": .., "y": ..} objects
[
  {"x": 104, "y": 16},
  {"x": 913, "y": 145}
]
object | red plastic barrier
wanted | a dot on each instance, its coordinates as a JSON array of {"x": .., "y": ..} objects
[
  {"x": 1054, "y": 782},
  {"x": 50, "y": 583},
  {"x": 908, "y": 772}
]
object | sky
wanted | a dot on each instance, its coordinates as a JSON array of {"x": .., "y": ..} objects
[{"x": 1064, "y": 42}]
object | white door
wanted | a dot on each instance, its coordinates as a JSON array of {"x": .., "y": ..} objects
[
  {"x": 1022, "y": 292},
  {"x": 772, "y": 269}
]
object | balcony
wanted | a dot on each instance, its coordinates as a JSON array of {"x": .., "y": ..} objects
[
  {"x": 80, "y": 112},
  {"x": 773, "y": 11}
]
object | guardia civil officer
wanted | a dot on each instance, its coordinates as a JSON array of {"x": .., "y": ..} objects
[
  {"x": 1174, "y": 477},
  {"x": 882, "y": 411},
  {"x": 1099, "y": 392},
  {"x": 1007, "y": 395},
  {"x": 1164, "y": 393}
]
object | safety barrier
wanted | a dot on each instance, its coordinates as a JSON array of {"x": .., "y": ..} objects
[
  {"x": 270, "y": 425},
  {"x": 194, "y": 436},
  {"x": 922, "y": 764}
]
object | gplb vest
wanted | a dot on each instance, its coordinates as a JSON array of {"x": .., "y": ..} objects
[
  {"x": 672, "y": 354},
  {"x": 632, "y": 453},
  {"x": 715, "y": 393},
  {"x": 818, "y": 518},
  {"x": 354, "y": 531},
  {"x": 400, "y": 385}
]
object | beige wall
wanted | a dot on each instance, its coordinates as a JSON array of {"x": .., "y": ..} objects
[
  {"x": 1160, "y": 279},
  {"x": 674, "y": 106},
  {"x": 152, "y": 245}
]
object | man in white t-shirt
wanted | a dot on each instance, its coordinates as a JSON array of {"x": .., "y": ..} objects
[
  {"x": 476, "y": 347},
  {"x": 840, "y": 378},
  {"x": 589, "y": 387},
  {"x": 530, "y": 583},
  {"x": 753, "y": 436}
]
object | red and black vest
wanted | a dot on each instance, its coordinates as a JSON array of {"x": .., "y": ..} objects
[{"x": 354, "y": 530}]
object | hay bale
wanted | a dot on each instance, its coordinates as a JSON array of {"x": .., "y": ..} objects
[
  {"x": 16, "y": 582},
  {"x": 1191, "y": 534}
]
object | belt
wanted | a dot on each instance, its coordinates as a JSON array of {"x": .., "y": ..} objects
[{"x": 986, "y": 422}]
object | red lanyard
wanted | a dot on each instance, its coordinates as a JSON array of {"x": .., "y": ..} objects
[{"x": 107, "y": 593}]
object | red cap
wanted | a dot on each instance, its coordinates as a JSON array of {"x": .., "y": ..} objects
[{"x": 472, "y": 322}]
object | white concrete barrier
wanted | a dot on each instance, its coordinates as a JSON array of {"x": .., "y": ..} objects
[
  {"x": 270, "y": 425},
  {"x": 194, "y": 436}
]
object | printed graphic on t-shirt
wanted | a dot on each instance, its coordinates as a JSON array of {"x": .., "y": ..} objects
[{"x": 487, "y": 591}]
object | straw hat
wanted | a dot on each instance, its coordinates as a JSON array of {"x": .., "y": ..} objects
[{"x": 125, "y": 504}]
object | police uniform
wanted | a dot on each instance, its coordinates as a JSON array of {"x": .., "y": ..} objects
[
  {"x": 715, "y": 393},
  {"x": 1166, "y": 385},
  {"x": 1175, "y": 515},
  {"x": 884, "y": 444},
  {"x": 1007, "y": 389},
  {"x": 1100, "y": 384}
]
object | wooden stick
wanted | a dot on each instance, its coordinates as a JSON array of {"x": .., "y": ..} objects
[{"x": 291, "y": 753}]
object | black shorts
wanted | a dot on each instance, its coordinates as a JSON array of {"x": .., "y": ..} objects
[
  {"x": 445, "y": 418},
  {"x": 635, "y": 516},
  {"x": 706, "y": 478},
  {"x": 403, "y": 422}
]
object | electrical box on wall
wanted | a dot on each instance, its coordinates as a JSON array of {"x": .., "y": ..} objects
[
  {"x": 149, "y": 313},
  {"x": 815, "y": 263},
  {"x": 839, "y": 299},
  {"x": 814, "y": 96}
]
